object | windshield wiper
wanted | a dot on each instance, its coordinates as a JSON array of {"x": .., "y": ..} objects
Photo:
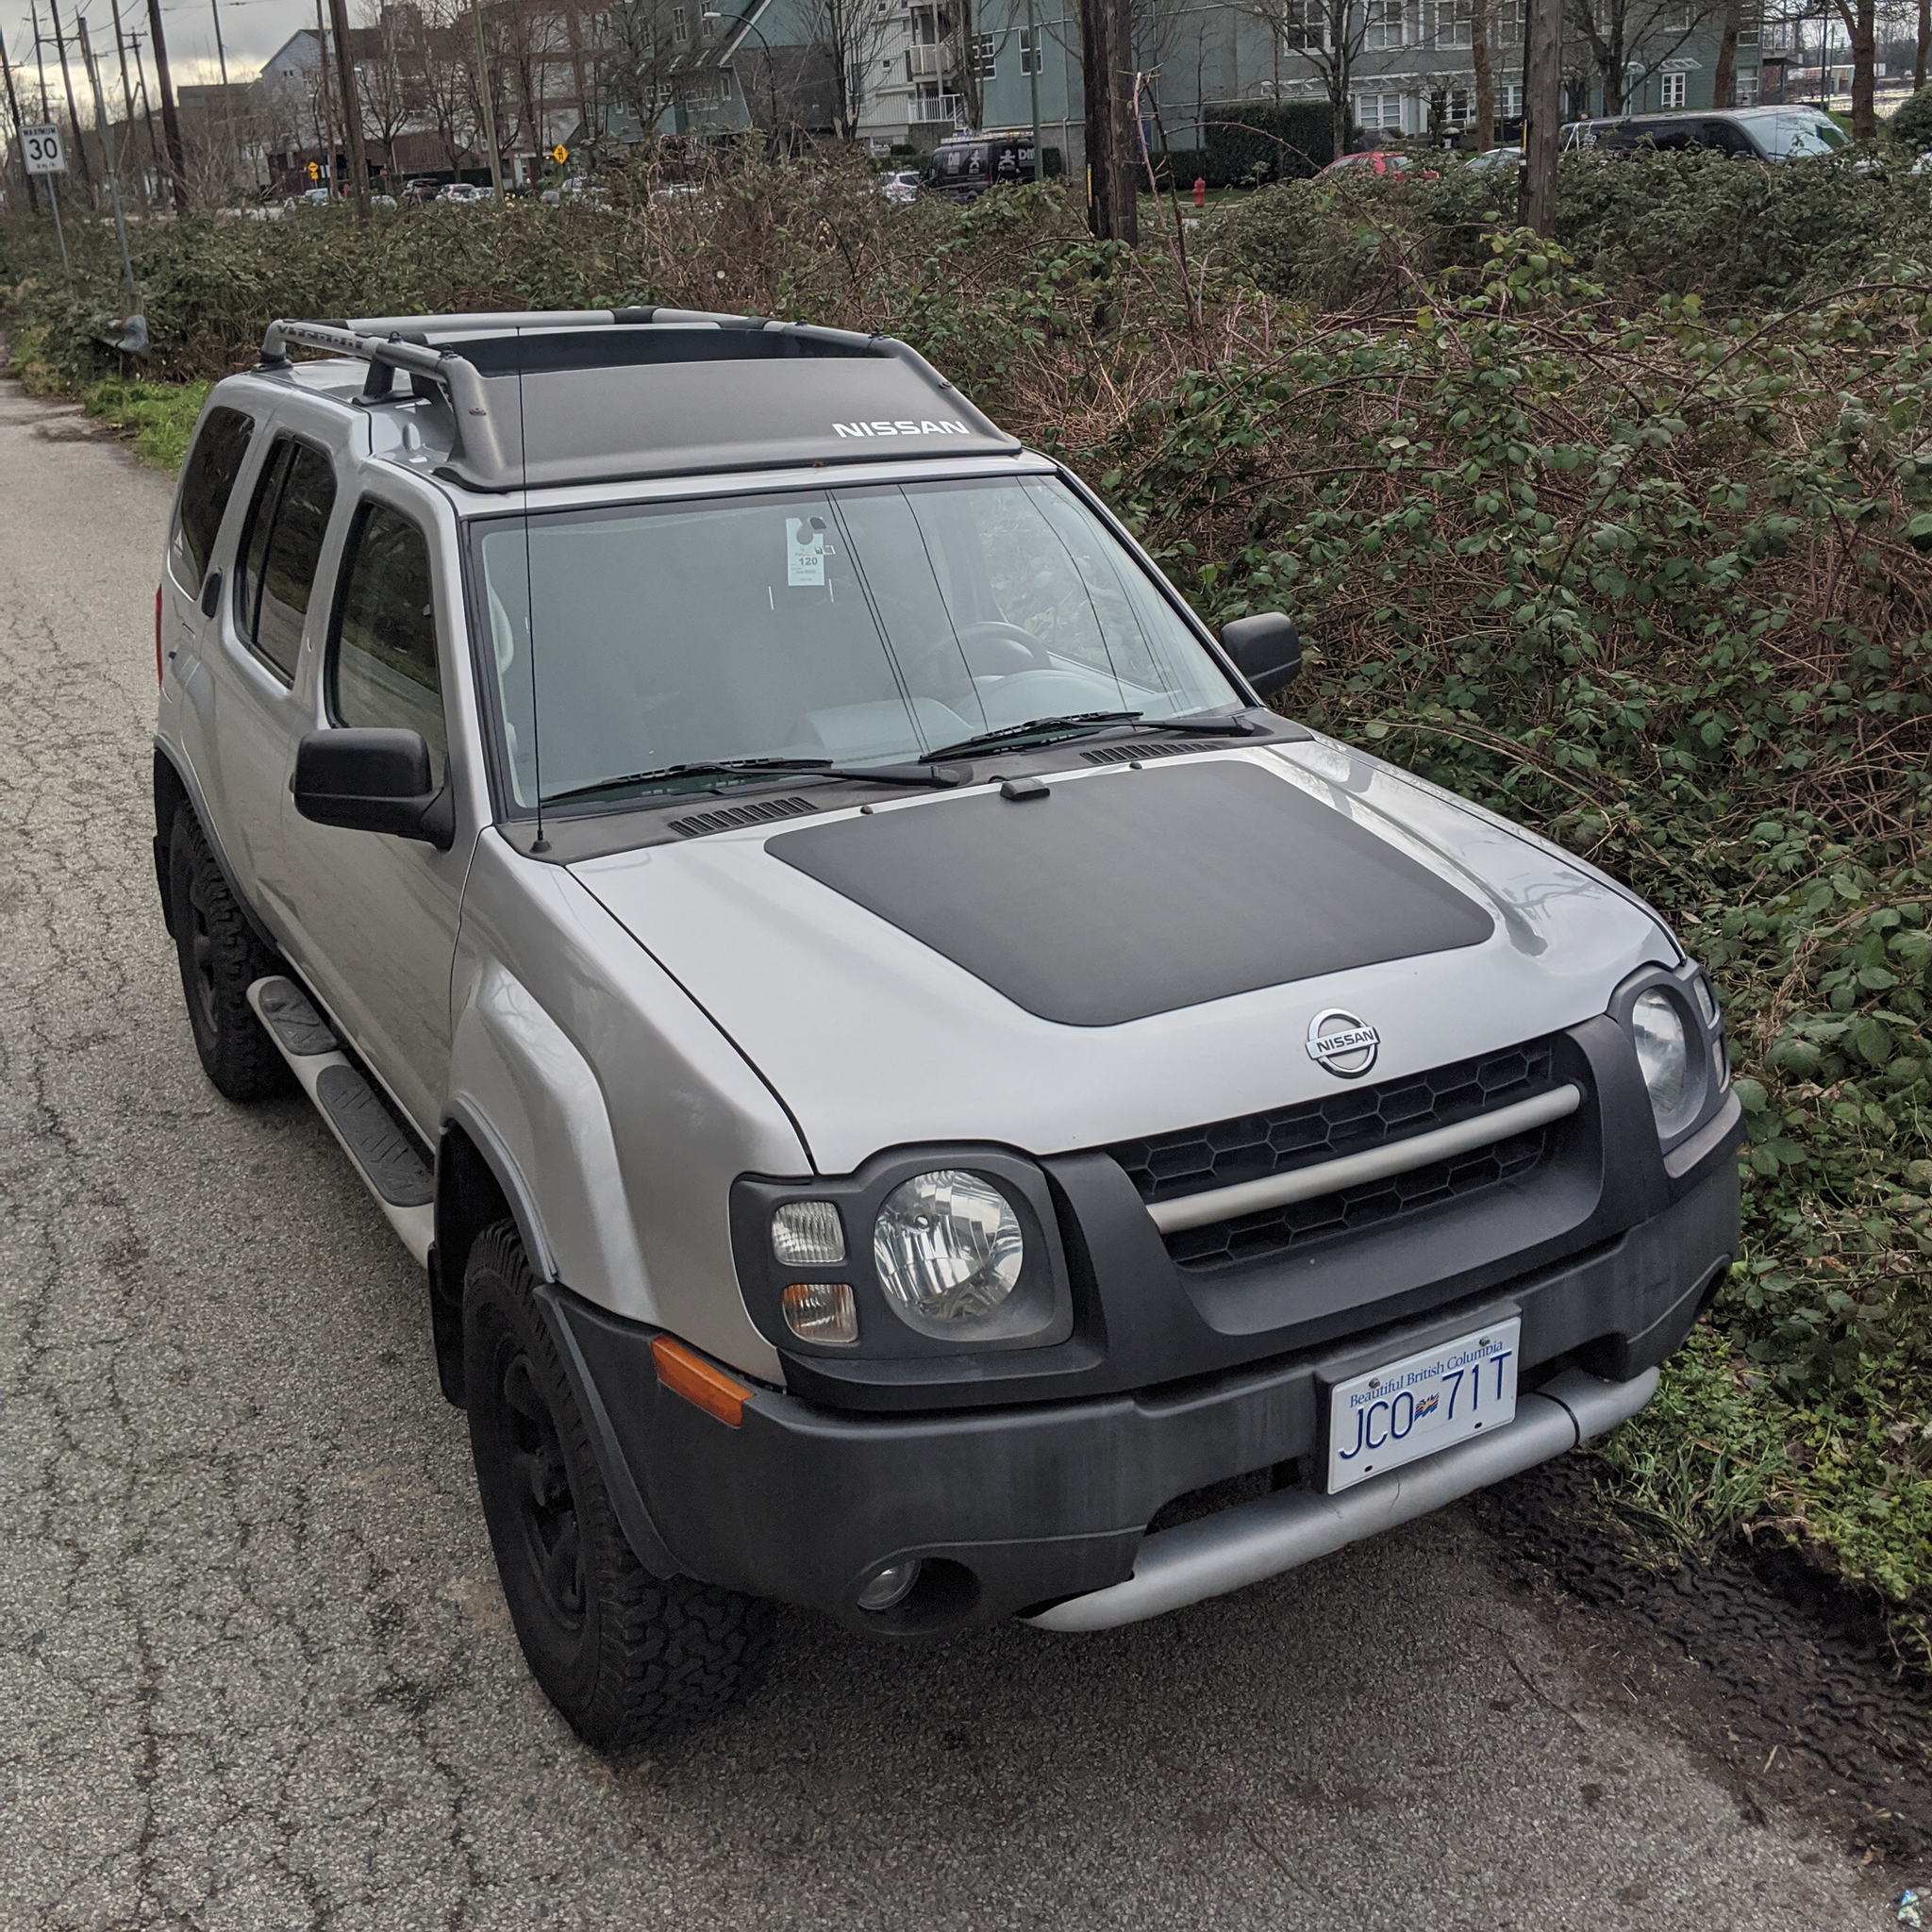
[
  {"x": 1073, "y": 724},
  {"x": 921, "y": 774},
  {"x": 1081, "y": 722}
]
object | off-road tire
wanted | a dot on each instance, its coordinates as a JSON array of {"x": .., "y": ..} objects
[
  {"x": 623, "y": 1655},
  {"x": 221, "y": 959}
]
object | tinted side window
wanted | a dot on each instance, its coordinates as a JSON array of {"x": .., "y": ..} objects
[
  {"x": 283, "y": 550},
  {"x": 261, "y": 516},
  {"x": 207, "y": 480},
  {"x": 382, "y": 656}
]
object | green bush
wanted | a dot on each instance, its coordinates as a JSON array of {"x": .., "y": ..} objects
[
  {"x": 1912, "y": 123},
  {"x": 1648, "y": 224},
  {"x": 1266, "y": 141}
]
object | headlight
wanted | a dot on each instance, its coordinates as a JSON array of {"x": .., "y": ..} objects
[
  {"x": 1659, "y": 1029},
  {"x": 948, "y": 1248}
]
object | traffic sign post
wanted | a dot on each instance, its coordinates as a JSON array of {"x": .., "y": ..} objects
[
  {"x": 41, "y": 140},
  {"x": 40, "y": 143}
]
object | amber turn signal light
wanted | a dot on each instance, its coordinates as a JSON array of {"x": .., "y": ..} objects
[{"x": 688, "y": 1374}]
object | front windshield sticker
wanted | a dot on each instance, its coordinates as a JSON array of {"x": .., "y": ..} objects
[{"x": 805, "y": 552}]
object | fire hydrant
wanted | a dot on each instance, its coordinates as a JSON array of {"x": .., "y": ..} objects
[{"x": 1200, "y": 191}]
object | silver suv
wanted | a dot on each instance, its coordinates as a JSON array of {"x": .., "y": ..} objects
[{"x": 915, "y": 1093}]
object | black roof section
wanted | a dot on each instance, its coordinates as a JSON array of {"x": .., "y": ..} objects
[{"x": 551, "y": 397}]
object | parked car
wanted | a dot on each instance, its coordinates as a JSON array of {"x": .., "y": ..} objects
[
  {"x": 1379, "y": 161},
  {"x": 1498, "y": 160},
  {"x": 1757, "y": 134},
  {"x": 463, "y": 192},
  {"x": 894, "y": 1085},
  {"x": 422, "y": 188},
  {"x": 902, "y": 184},
  {"x": 964, "y": 166}
]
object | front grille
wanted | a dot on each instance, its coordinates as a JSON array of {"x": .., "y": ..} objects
[
  {"x": 1193, "y": 1160},
  {"x": 725, "y": 817}
]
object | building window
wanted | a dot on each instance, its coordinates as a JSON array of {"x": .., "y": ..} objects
[
  {"x": 1029, "y": 52},
  {"x": 1303, "y": 25},
  {"x": 1377, "y": 113},
  {"x": 1674, "y": 91},
  {"x": 983, "y": 57},
  {"x": 1747, "y": 89},
  {"x": 1384, "y": 29},
  {"x": 1460, "y": 108},
  {"x": 1452, "y": 25},
  {"x": 1511, "y": 103},
  {"x": 680, "y": 27},
  {"x": 1747, "y": 29}
]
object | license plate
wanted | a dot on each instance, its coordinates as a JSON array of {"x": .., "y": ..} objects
[{"x": 1426, "y": 1402}]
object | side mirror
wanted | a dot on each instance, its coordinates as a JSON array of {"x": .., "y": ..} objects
[
  {"x": 1266, "y": 649},
  {"x": 372, "y": 781}
]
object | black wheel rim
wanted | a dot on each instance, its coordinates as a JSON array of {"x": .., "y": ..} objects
[
  {"x": 539, "y": 1487},
  {"x": 201, "y": 959}
]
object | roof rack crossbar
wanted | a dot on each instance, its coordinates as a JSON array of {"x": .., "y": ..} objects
[{"x": 477, "y": 442}]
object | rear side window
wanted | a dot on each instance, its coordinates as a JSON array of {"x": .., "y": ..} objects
[
  {"x": 287, "y": 523},
  {"x": 382, "y": 656},
  {"x": 208, "y": 481}
]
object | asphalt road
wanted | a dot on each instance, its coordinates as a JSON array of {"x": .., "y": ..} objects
[{"x": 255, "y": 1670}]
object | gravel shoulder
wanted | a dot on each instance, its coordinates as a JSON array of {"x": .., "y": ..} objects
[{"x": 255, "y": 1664}]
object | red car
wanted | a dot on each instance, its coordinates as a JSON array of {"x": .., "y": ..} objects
[{"x": 1379, "y": 160}]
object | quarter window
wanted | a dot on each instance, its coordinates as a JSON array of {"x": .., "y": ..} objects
[
  {"x": 285, "y": 525},
  {"x": 382, "y": 656},
  {"x": 208, "y": 481}
]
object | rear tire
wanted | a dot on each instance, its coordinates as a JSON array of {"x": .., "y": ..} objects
[
  {"x": 221, "y": 959},
  {"x": 623, "y": 1655}
]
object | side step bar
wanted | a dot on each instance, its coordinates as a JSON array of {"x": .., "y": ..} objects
[
  {"x": 1255, "y": 1540},
  {"x": 386, "y": 1158}
]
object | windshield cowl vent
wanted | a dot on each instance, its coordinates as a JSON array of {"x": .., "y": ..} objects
[
  {"x": 728, "y": 817},
  {"x": 1127, "y": 754}
]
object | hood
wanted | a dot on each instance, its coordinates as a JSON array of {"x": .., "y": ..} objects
[{"x": 1106, "y": 954}]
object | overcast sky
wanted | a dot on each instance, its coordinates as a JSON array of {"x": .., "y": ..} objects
[{"x": 251, "y": 31}]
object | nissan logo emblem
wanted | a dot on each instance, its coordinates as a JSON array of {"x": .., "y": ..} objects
[{"x": 1343, "y": 1044}]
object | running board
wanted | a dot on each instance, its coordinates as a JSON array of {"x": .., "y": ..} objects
[
  {"x": 386, "y": 1158},
  {"x": 1255, "y": 1540}
]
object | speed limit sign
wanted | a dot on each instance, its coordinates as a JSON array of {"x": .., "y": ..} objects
[{"x": 42, "y": 145}]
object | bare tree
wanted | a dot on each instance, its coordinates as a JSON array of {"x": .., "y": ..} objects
[
  {"x": 647, "y": 48},
  {"x": 1630, "y": 41},
  {"x": 388, "y": 74},
  {"x": 1860, "y": 19},
  {"x": 1327, "y": 39},
  {"x": 1723, "y": 80},
  {"x": 1485, "y": 75},
  {"x": 849, "y": 35},
  {"x": 447, "y": 85}
]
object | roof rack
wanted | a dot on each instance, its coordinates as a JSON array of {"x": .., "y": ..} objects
[{"x": 670, "y": 415}]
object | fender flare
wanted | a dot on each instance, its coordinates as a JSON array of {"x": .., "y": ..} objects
[{"x": 627, "y": 1496}]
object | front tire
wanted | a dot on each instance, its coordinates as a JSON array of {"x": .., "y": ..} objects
[
  {"x": 622, "y": 1654},
  {"x": 221, "y": 959}
]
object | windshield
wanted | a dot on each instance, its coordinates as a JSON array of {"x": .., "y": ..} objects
[
  {"x": 1806, "y": 132},
  {"x": 863, "y": 625}
]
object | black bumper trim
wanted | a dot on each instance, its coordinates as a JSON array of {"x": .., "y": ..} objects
[{"x": 1034, "y": 1503}]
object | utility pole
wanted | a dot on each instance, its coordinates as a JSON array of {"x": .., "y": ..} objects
[
  {"x": 147, "y": 114},
  {"x": 107, "y": 128},
  {"x": 227, "y": 105},
  {"x": 1033, "y": 79},
  {"x": 171, "y": 121},
  {"x": 351, "y": 108},
  {"x": 487, "y": 94},
  {"x": 87, "y": 173},
  {"x": 1107, "y": 41},
  {"x": 120, "y": 55},
  {"x": 329, "y": 118},
  {"x": 33, "y": 200},
  {"x": 1542, "y": 62}
]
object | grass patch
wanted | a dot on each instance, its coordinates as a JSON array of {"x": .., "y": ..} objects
[{"x": 160, "y": 416}]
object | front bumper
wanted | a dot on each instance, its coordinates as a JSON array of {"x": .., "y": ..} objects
[{"x": 1016, "y": 1508}]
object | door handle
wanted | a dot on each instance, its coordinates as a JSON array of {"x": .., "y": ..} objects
[{"x": 211, "y": 592}]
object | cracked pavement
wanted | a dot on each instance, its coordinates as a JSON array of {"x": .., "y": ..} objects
[{"x": 255, "y": 1669}]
